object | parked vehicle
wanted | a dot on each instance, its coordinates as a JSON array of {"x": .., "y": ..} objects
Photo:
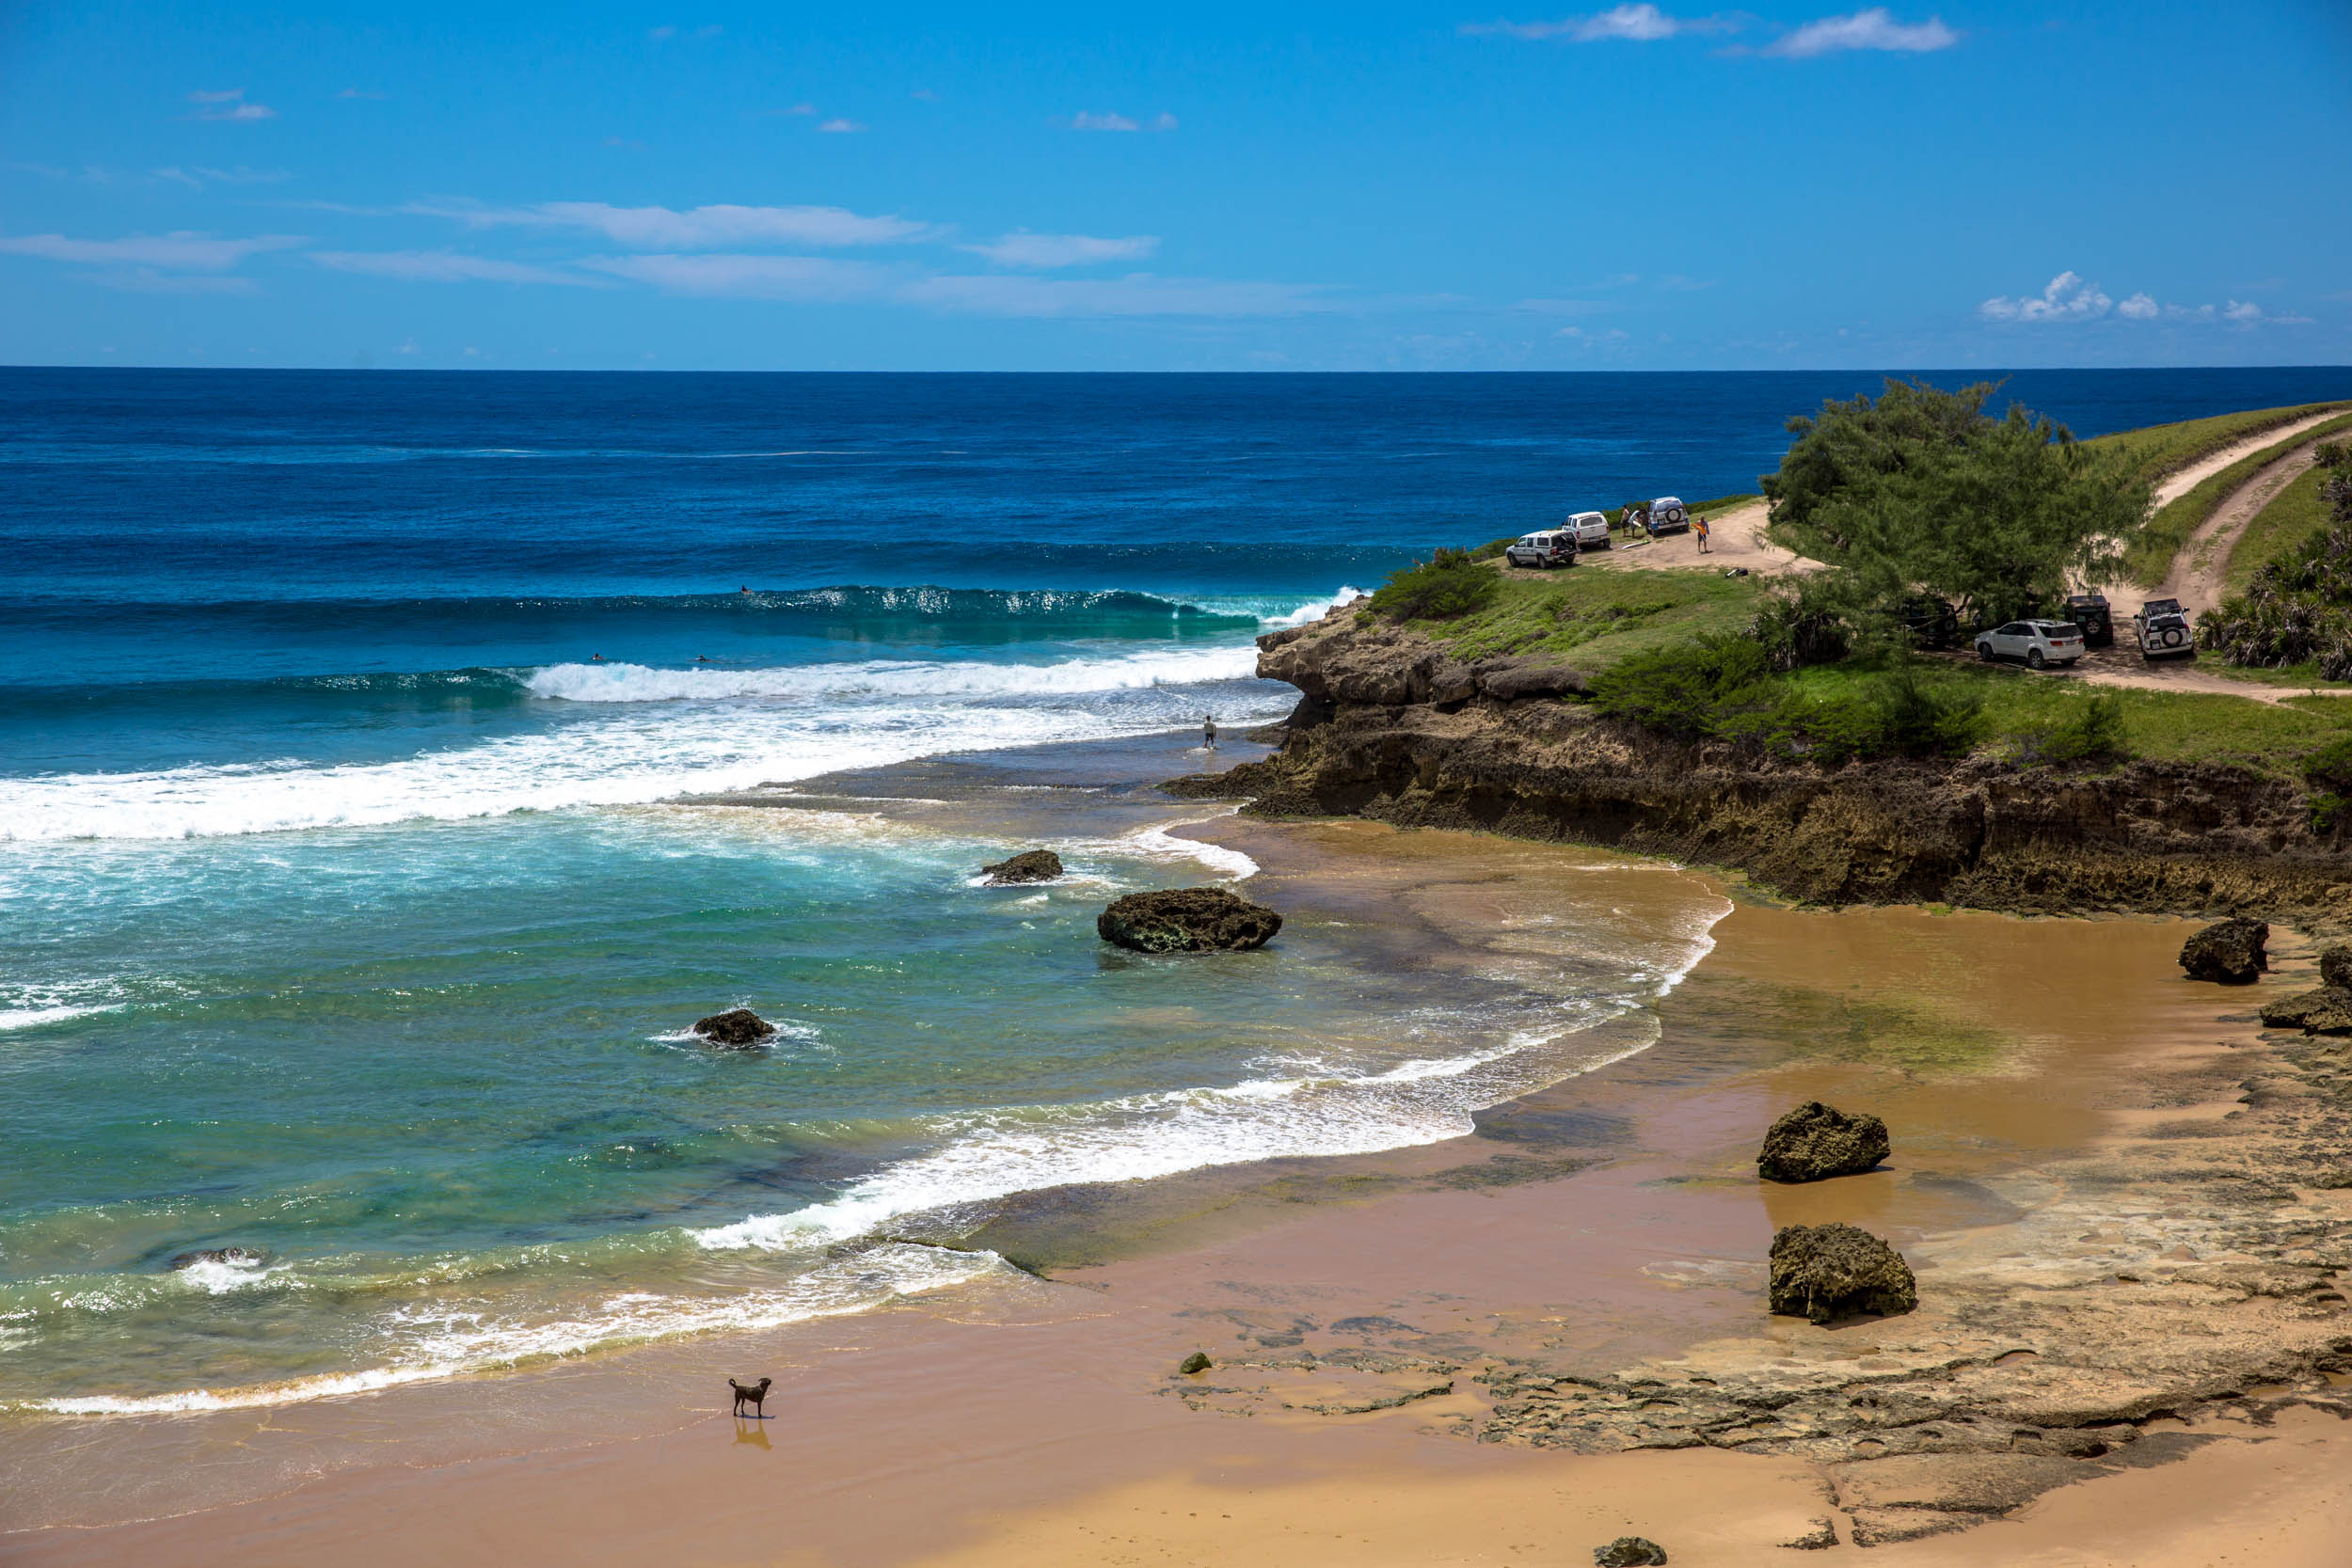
[
  {"x": 1668, "y": 515},
  {"x": 1551, "y": 548},
  {"x": 2162, "y": 626},
  {"x": 2089, "y": 611},
  {"x": 1928, "y": 620},
  {"x": 1591, "y": 529},
  {"x": 2039, "y": 643}
]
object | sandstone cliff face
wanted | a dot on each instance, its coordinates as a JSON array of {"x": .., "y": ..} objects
[{"x": 1393, "y": 728}]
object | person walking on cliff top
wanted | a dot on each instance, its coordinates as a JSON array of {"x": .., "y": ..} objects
[
  {"x": 1698, "y": 526},
  {"x": 1208, "y": 732}
]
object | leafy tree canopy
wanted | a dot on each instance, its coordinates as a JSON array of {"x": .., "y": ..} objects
[{"x": 1921, "y": 490}]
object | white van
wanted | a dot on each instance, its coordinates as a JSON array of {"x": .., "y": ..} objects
[{"x": 1591, "y": 529}]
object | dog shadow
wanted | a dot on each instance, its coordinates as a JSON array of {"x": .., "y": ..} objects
[{"x": 748, "y": 1431}]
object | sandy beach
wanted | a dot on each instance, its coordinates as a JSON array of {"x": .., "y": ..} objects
[{"x": 1504, "y": 1347}]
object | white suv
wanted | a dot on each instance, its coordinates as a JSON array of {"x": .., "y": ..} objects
[
  {"x": 1542, "y": 549},
  {"x": 1591, "y": 529},
  {"x": 2037, "y": 642}
]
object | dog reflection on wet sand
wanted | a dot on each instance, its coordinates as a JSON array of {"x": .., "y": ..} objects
[{"x": 753, "y": 1394}]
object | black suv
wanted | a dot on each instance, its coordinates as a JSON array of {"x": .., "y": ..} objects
[
  {"x": 1929, "y": 621},
  {"x": 2089, "y": 611}
]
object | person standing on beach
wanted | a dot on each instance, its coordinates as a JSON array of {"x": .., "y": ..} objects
[
  {"x": 1698, "y": 526},
  {"x": 1208, "y": 732}
]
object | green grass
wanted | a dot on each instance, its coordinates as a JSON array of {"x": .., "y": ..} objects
[
  {"x": 2165, "y": 448},
  {"x": 2294, "y": 515},
  {"x": 1601, "y": 615},
  {"x": 2150, "y": 555},
  {"x": 2170, "y": 726}
]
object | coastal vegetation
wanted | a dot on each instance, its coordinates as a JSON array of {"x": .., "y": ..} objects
[
  {"x": 2298, "y": 607},
  {"x": 1921, "y": 491},
  {"x": 2293, "y": 515},
  {"x": 1601, "y": 615},
  {"x": 2149, "y": 559},
  {"x": 2166, "y": 449}
]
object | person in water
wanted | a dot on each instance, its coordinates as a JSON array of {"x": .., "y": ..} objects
[{"x": 1208, "y": 732}]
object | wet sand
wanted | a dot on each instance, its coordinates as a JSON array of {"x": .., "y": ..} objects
[{"x": 1609, "y": 1220}]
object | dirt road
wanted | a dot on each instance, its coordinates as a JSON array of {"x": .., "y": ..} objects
[
  {"x": 1736, "y": 538},
  {"x": 2200, "y": 570}
]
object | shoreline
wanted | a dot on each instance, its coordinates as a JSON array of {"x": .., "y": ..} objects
[{"x": 969, "y": 1425}]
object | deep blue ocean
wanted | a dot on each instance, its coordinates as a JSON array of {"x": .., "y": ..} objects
[{"x": 357, "y": 882}]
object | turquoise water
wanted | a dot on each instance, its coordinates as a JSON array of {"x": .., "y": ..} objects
[{"x": 359, "y": 872}]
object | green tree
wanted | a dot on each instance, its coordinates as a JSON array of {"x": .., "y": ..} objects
[{"x": 1923, "y": 491}]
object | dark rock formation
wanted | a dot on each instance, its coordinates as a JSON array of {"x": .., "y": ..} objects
[
  {"x": 219, "y": 1254},
  {"x": 1030, "y": 866},
  {"x": 1196, "y": 1362},
  {"x": 1828, "y": 1271},
  {"x": 736, "y": 1029},
  {"x": 2325, "y": 1011},
  {"x": 2228, "y": 951},
  {"x": 1186, "y": 920},
  {"x": 1393, "y": 728},
  {"x": 1628, "y": 1551},
  {"x": 1815, "y": 1141},
  {"x": 2335, "y": 967},
  {"x": 1820, "y": 1537}
]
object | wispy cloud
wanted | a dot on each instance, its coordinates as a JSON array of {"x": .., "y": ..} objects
[
  {"x": 1085, "y": 119},
  {"x": 1873, "y": 28},
  {"x": 198, "y": 175},
  {"x": 147, "y": 280},
  {"x": 841, "y": 127},
  {"x": 229, "y": 104},
  {"x": 445, "y": 266},
  {"x": 697, "y": 228},
  {"x": 179, "y": 251},
  {"x": 2066, "y": 297},
  {"x": 804, "y": 278},
  {"x": 1638, "y": 24},
  {"x": 358, "y": 92},
  {"x": 1026, "y": 249}
]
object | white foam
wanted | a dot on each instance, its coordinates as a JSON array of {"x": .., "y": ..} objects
[
  {"x": 1315, "y": 610},
  {"x": 640, "y": 740},
  {"x": 32, "y": 1018}
]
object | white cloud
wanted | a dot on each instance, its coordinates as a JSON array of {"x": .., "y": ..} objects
[
  {"x": 179, "y": 251},
  {"x": 2138, "y": 308},
  {"x": 804, "y": 278},
  {"x": 1086, "y": 120},
  {"x": 698, "y": 227},
  {"x": 1164, "y": 122},
  {"x": 2242, "y": 311},
  {"x": 229, "y": 105},
  {"x": 2066, "y": 298},
  {"x": 1873, "y": 28},
  {"x": 841, "y": 127},
  {"x": 444, "y": 267},
  {"x": 201, "y": 175},
  {"x": 147, "y": 280},
  {"x": 358, "y": 92},
  {"x": 1638, "y": 24},
  {"x": 1026, "y": 249}
]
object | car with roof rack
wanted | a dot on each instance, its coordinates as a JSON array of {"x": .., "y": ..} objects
[{"x": 2162, "y": 626}]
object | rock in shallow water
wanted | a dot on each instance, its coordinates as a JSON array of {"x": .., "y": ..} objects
[
  {"x": 2325, "y": 1011},
  {"x": 1030, "y": 866},
  {"x": 2335, "y": 967},
  {"x": 1815, "y": 1141},
  {"x": 2229, "y": 951},
  {"x": 1824, "y": 1271},
  {"x": 1186, "y": 920},
  {"x": 1629, "y": 1551},
  {"x": 1196, "y": 1362},
  {"x": 736, "y": 1029}
]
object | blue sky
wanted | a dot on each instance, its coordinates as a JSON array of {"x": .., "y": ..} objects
[{"x": 1484, "y": 185}]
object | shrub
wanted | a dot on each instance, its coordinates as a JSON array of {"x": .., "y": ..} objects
[
  {"x": 1712, "y": 686},
  {"x": 1494, "y": 548},
  {"x": 1919, "y": 721},
  {"x": 1795, "y": 629},
  {"x": 2330, "y": 766},
  {"x": 2092, "y": 733},
  {"x": 1447, "y": 585}
]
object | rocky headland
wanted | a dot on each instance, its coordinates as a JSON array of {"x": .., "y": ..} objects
[{"x": 1391, "y": 726}]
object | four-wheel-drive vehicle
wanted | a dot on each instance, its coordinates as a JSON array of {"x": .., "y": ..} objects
[
  {"x": 1591, "y": 529},
  {"x": 2089, "y": 611},
  {"x": 1929, "y": 621},
  {"x": 2163, "y": 628},
  {"x": 2037, "y": 642},
  {"x": 1551, "y": 548},
  {"x": 1667, "y": 514}
]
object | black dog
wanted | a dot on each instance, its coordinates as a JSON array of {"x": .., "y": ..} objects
[{"x": 751, "y": 1394}]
